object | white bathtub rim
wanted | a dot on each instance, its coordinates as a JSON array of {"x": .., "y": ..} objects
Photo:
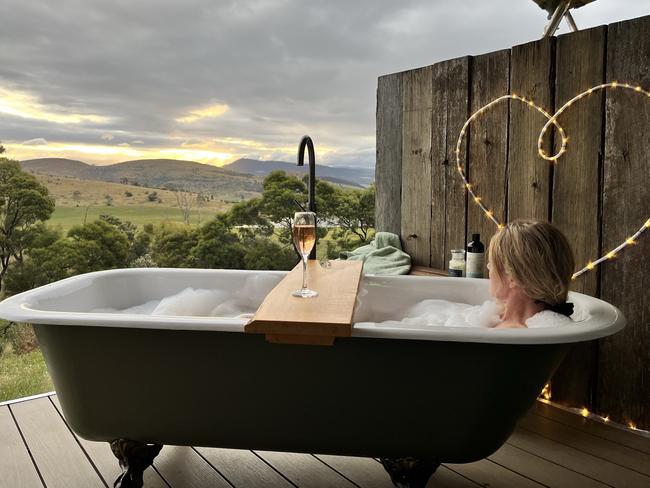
[{"x": 18, "y": 308}]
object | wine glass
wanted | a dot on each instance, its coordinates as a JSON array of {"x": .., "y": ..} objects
[{"x": 304, "y": 238}]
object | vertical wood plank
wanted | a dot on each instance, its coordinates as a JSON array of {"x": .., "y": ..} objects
[
  {"x": 531, "y": 76},
  {"x": 59, "y": 458},
  {"x": 455, "y": 193},
  {"x": 580, "y": 59},
  {"x": 488, "y": 142},
  {"x": 388, "y": 167},
  {"x": 416, "y": 164},
  {"x": 16, "y": 467},
  {"x": 448, "y": 200},
  {"x": 623, "y": 377}
]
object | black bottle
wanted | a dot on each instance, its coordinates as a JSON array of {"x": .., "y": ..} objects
[{"x": 475, "y": 257}]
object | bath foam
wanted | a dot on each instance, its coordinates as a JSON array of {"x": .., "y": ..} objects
[
  {"x": 202, "y": 302},
  {"x": 434, "y": 312}
]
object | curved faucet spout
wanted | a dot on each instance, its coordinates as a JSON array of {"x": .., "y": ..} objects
[
  {"x": 306, "y": 142},
  {"x": 309, "y": 144}
]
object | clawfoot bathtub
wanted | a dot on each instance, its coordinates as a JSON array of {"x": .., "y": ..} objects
[{"x": 429, "y": 394}]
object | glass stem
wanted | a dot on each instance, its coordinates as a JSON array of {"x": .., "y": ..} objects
[{"x": 304, "y": 272}]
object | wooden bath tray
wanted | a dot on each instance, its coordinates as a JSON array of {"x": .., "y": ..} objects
[{"x": 286, "y": 319}]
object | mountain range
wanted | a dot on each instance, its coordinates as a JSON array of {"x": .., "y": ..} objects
[
  {"x": 239, "y": 180},
  {"x": 336, "y": 174}
]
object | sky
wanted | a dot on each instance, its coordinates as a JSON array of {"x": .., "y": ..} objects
[{"x": 217, "y": 80}]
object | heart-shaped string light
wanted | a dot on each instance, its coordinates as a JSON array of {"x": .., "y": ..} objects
[{"x": 552, "y": 120}]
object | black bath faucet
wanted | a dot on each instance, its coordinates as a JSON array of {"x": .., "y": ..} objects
[{"x": 311, "y": 196}]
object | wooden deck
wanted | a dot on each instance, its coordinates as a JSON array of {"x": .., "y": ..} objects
[{"x": 551, "y": 448}]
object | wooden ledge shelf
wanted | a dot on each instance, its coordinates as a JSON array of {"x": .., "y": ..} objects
[{"x": 286, "y": 319}]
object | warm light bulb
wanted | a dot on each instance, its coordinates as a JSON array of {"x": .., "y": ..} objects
[
  {"x": 629, "y": 240},
  {"x": 606, "y": 419},
  {"x": 584, "y": 412}
]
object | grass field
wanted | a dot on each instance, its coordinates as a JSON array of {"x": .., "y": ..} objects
[
  {"x": 66, "y": 217},
  {"x": 22, "y": 366},
  {"x": 23, "y": 375}
]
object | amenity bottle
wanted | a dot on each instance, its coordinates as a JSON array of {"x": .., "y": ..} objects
[
  {"x": 457, "y": 263},
  {"x": 475, "y": 257}
]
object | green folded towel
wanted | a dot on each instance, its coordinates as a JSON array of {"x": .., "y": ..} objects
[{"x": 383, "y": 256}]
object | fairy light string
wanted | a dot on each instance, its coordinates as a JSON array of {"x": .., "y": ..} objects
[{"x": 551, "y": 120}]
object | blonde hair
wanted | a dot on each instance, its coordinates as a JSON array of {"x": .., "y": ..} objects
[{"x": 537, "y": 256}]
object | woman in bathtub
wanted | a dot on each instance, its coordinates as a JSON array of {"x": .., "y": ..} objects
[{"x": 530, "y": 265}]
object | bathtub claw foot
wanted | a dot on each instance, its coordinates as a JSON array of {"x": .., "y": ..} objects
[
  {"x": 134, "y": 458},
  {"x": 409, "y": 472}
]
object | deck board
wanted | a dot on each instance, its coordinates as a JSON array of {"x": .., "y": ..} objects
[
  {"x": 183, "y": 467},
  {"x": 16, "y": 465},
  {"x": 541, "y": 470},
  {"x": 624, "y": 437},
  {"x": 488, "y": 473},
  {"x": 551, "y": 448},
  {"x": 243, "y": 468},
  {"x": 599, "y": 447},
  {"x": 106, "y": 463},
  {"x": 60, "y": 460},
  {"x": 577, "y": 460},
  {"x": 304, "y": 470}
]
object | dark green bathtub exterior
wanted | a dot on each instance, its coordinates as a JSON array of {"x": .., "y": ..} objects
[{"x": 453, "y": 402}]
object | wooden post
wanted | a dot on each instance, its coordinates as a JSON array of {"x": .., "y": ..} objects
[
  {"x": 388, "y": 170},
  {"x": 416, "y": 164},
  {"x": 488, "y": 142},
  {"x": 531, "y": 75},
  {"x": 450, "y": 100},
  {"x": 623, "y": 386},
  {"x": 580, "y": 64}
]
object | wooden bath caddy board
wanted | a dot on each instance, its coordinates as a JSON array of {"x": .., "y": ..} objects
[{"x": 286, "y": 319}]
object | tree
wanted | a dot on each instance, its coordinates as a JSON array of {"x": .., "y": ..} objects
[
  {"x": 218, "y": 246},
  {"x": 185, "y": 201},
  {"x": 100, "y": 245},
  {"x": 263, "y": 253},
  {"x": 282, "y": 196},
  {"x": 172, "y": 247},
  {"x": 248, "y": 218},
  {"x": 91, "y": 247},
  {"x": 24, "y": 202},
  {"x": 354, "y": 211},
  {"x": 152, "y": 196}
]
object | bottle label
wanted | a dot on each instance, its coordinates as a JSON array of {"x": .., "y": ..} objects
[
  {"x": 456, "y": 272},
  {"x": 475, "y": 262}
]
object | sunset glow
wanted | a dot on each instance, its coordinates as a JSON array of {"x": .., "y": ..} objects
[
  {"x": 210, "y": 111},
  {"x": 28, "y": 106}
]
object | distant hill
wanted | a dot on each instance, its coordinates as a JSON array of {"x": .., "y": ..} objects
[
  {"x": 341, "y": 175},
  {"x": 156, "y": 173}
]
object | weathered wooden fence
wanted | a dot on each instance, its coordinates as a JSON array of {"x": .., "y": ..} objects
[{"x": 598, "y": 193}]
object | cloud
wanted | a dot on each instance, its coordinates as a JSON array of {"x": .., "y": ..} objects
[
  {"x": 211, "y": 111},
  {"x": 107, "y": 137},
  {"x": 237, "y": 78},
  {"x": 39, "y": 141},
  {"x": 26, "y": 105}
]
